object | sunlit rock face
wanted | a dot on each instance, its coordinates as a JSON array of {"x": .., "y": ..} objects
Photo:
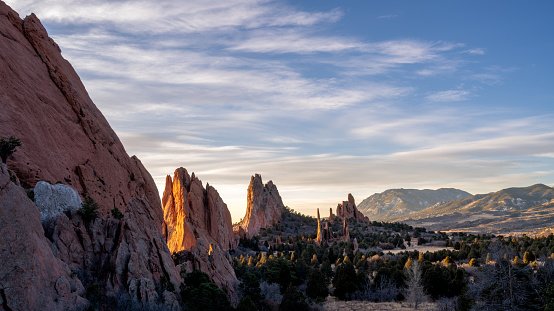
[
  {"x": 198, "y": 228},
  {"x": 192, "y": 212},
  {"x": 348, "y": 210},
  {"x": 264, "y": 206}
]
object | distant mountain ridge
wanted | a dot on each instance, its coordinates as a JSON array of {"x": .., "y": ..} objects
[
  {"x": 398, "y": 202},
  {"x": 522, "y": 209},
  {"x": 505, "y": 200}
]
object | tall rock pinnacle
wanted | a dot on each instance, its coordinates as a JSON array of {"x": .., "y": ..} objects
[
  {"x": 192, "y": 212},
  {"x": 264, "y": 206}
]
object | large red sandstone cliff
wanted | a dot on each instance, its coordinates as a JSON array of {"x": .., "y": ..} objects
[
  {"x": 264, "y": 207},
  {"x": 66, "y": 138}
]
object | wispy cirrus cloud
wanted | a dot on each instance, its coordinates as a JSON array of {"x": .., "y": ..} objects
[
  {"x": 448, "y": 96},
  {"x": 232, "y": 88}
]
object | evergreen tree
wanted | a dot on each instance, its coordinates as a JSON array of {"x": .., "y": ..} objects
[
  {"x": 7, "y": 147},
  {"x": 89, "y": 209},
  {"x": 293, "y": 300},
  {"x": 317, "y": 286},
  {"x": 345, "y": 280}
]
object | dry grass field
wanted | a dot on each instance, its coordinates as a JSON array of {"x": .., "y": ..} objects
[{"x": 331, "y": 304}]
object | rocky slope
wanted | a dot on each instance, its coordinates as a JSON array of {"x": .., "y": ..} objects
[
  {"x": 66, "y": 138},
  {"x": 264, "y": 207},
  {"x": 31, "y": 277},
  {"x": 397, "y": 202},
  {"x": 507, "y": 210}
]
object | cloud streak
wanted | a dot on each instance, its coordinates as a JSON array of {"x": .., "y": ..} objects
[{"x": 232, "y": 88}]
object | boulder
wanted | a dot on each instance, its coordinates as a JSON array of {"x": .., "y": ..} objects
[{"x": 52, "y": 200}]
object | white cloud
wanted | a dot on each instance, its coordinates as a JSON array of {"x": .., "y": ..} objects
[
  {"x": 387, "y": 16},
  {"x": 448, "y": 96},
  {"x": 477, "y": 51}
]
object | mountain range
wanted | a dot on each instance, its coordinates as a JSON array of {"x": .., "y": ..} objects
[
  {"x": 511, "y": 210},
  {"x": 399, "y": 202}
]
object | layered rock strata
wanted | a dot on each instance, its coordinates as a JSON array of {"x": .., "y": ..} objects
[{"x": 264, "y": 206}]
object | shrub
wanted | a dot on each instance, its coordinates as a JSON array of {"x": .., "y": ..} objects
[
  {"x": 89, "y": 209},
  {"x": 7, "y": 147},
  {"x": 116, "y": 213}
]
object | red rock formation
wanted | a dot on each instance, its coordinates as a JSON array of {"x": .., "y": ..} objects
[
  {"x": 323, "y": 234},
  {"x": 66, "y": 138},
  {"x": 192, "y": 212},
  {"x": 31, "y": 277},
  {"x": 198, "y": 226},
  {"x": 264, "y": 206},
  {"x": 331, "y": 215},
  {"x": 345, "y": 231},
  {"x": 348, "y": 210}
]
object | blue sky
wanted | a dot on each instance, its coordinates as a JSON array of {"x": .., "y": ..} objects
[{"x": 322, "y": 97}]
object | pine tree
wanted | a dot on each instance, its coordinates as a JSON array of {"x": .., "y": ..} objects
[{"x": 7, "y": 147}]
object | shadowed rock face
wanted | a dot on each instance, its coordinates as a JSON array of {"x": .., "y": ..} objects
[
  {"x": 66, "y": 138},
  {"x": 31, "y": 277},
  {"x": 264, "y": 206},
  {"x": 192, "y": 212}
]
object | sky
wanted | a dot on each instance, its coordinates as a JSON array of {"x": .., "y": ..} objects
[{"x": 323, "y": 97}]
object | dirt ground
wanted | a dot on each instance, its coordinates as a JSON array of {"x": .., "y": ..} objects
[{"x": 331, "y": 304}]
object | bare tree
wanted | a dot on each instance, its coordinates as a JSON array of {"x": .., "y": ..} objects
[{"x": 414, "y": 287}]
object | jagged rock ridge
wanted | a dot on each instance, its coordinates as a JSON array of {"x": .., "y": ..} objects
[
  {"x": 397, "y": 202},
  {"x": 264, "y": 207}
]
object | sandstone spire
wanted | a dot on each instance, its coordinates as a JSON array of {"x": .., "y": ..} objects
[
  {"x": 264, "y": 206},
  {"x": 192, "y": 212}
]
